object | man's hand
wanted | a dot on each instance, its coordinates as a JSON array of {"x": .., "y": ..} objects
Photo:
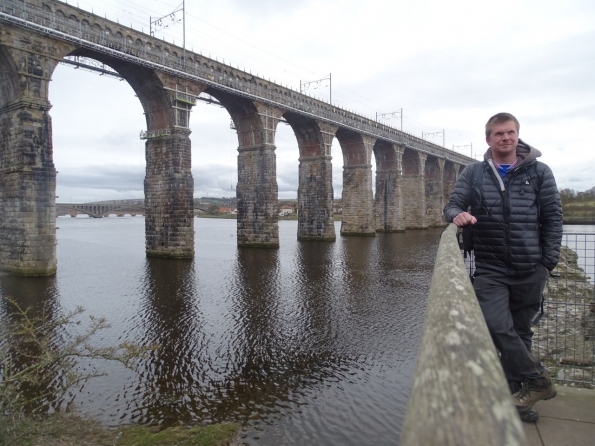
[{"x": 464, "y": 219}]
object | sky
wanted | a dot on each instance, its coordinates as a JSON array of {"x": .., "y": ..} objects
[{"x": 448, "y": 65}]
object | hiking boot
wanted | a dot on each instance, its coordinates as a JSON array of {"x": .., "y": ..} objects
[
  {"x": 529, "y": 416},
  {"x": 533, "y": 390}
]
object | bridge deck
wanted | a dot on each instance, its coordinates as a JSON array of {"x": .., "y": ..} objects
[{"x": 568, "y": 419}]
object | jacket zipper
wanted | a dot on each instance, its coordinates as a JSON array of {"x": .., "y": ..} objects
[{"x": 504, "y": 193}]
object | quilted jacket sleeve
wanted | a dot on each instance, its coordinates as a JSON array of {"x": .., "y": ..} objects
[{"x": 460, "y": 197}]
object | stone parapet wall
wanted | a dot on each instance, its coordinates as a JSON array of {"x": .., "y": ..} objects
[{"x": 459, "y": 395}]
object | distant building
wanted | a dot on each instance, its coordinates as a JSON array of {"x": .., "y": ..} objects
[
  {"x": 285, "y": 210},
  {"x": 225, "y": 210}
]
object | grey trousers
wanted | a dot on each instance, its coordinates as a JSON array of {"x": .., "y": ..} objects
[{"x": 509, "y": 305}]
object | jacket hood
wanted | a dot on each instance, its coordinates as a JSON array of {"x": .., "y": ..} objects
[{"x": 525, "y": 154}]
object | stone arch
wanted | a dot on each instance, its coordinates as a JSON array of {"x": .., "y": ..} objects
[
  {"x": 411, "y": 162},
  {"x": 386, "y": 155},
  {"x": 355, "y": 151},
  {"x": 432, "y": 168},
  {"x": 10, "y": 88}
]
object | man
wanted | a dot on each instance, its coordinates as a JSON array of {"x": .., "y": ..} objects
[{"x": 516, "y": 215}]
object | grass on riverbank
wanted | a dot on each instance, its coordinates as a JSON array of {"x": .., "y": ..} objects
[
  {"x": 73, "y": 430},
  {"x": 35, "y": 369}
]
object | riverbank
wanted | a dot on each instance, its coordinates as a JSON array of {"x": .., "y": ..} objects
[
  {"x": 73, "y": 430},
  {"x": 570, "y": 220}
]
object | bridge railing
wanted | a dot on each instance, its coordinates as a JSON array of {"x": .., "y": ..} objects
[
  {"x": 459, "y": 396},
  {"x": 74, "y": 31}
]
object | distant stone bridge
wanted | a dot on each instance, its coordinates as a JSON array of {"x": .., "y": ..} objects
[
  {"x": 413, "y": 176},
  {"x": 97, "y": 210}
]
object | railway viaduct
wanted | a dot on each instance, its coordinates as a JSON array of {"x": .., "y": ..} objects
[{"x": 413, "y": 176}]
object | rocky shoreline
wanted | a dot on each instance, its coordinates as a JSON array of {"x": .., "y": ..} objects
[{"x": 564, "y": 339}]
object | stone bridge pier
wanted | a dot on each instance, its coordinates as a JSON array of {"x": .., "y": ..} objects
[
  {"x": 256, "y": 192},
  {"x": 388, "y": 202},
  {"x": 168, "y": 184},
  {"x": 315, "y": 189},
  {"x": 450, "y": 175},
  {"x": 434, "y": 190},
  {"x": 358, "y": 200},
  {"x": 413, "y": 189},
  {"x": 27, "y": 172}
]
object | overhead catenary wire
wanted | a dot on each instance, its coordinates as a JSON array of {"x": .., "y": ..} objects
[{"x": 246, "y": 54}]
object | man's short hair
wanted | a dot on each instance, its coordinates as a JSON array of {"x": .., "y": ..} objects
[{"x": 499, "y": 118}]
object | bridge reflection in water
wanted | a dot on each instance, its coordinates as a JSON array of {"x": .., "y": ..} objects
[{"x": 309, "y": 344}]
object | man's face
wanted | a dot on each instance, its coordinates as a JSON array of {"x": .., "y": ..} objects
[{"x": 503, "y": 139}]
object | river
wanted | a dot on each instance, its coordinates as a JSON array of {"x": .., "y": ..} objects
[{"x": 313, "y": 343}]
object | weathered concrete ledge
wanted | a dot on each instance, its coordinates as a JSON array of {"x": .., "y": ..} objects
[{"x": 459, "y": 395}]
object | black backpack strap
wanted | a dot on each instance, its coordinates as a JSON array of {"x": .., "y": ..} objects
[
  {"x": 476, "y": 194},
  {"x": 535, "y": 180},
  {"x": 477, "y": 185}
]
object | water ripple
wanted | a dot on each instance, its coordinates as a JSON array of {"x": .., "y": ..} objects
[{"x": 313, "y": 343}]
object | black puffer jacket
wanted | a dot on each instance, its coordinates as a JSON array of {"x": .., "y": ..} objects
[{"x": 515, "y": 231}]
